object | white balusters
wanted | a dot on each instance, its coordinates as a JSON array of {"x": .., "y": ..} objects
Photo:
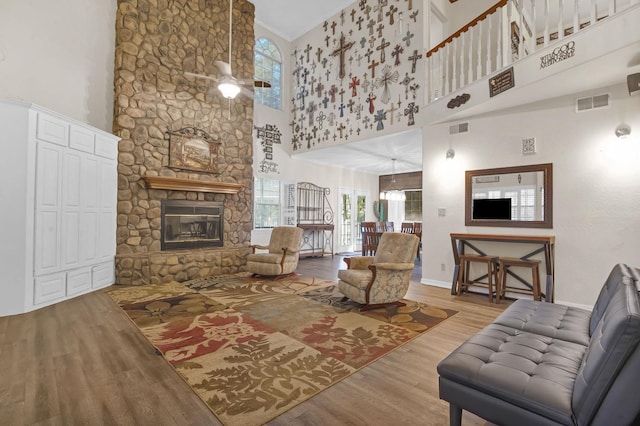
[
  {"x": 471, "y": 34},
  {"x": 486, "y": 46},
  {"x": 479, "y": 72},
  {"x": 576, "y": 16},
  {"x": 534, "y": 31},
  {"x": 560, "y": 19},
  {"x": 546, "y": 23},
  {"x": 447, "y": 76},
  {"x": 489, "y": 28}
]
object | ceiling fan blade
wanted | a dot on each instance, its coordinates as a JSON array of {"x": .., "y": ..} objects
[
  {"x": 246, "y": 92},
  {"x": 224, "y": 67},
  {"x": 264, "y": 84},
  {"x": 208, "y": 77}
]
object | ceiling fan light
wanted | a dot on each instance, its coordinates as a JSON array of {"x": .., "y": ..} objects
[{"x": 229, "y": 90}]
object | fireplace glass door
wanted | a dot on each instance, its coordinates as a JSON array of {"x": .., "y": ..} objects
[{"x": 191, "y": 224}]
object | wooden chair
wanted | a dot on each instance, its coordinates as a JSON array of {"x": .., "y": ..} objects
[
  {"x": 417, "y": 230},
  {"x": 406, "y": 227},
  {"x": 369, "y": 238}
]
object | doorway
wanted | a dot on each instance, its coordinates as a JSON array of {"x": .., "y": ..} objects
[{"x": 353, "y": 205}]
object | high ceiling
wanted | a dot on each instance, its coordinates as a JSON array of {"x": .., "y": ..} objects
[{"x": 292, "y": 18}]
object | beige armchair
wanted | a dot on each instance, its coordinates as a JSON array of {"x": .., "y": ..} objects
[
  {"x": 383, "y": 279},
  {"x": 283, "y": 255}
]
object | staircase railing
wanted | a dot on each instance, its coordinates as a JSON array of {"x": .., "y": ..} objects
[{"x": 506, "y": 32}]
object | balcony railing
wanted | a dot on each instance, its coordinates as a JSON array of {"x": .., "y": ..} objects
[{"x": 507, "y": 32}]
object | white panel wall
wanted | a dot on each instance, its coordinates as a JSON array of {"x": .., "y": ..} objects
[{"x": 596, "y": 186}]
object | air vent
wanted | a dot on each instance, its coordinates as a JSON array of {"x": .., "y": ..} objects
[
  {"x": 458, "y": 128},
  {"x": 592, "y": 102}
]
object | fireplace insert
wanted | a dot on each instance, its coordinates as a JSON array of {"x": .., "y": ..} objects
[{"x": 191, "y": 224}]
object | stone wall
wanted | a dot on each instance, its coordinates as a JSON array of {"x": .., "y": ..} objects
[{"x": 156, "y": 42}]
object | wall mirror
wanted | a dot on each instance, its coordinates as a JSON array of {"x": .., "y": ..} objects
[{"x": 519, "y": 196}]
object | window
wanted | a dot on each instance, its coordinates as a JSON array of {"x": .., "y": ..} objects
[
  {"x": 413, "y": 206},
  {"x": 522, "y": 200},
  {"x": 268, "y": 67},
  {"x": 267, "y": 203}
]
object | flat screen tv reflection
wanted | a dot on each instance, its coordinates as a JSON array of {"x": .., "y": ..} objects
[{"x": 492, "y": 209}]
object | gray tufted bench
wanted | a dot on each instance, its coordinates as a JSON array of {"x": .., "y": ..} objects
[{"x": 547, "y": 364}]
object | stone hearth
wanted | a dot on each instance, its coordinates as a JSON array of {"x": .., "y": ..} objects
[{"x": 156, "y": 42}]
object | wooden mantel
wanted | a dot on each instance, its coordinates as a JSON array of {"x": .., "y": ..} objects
[{"x": 176, "y": 184}]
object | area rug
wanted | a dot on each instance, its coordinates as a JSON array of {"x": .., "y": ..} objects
[{"x": 253, "y": 348}]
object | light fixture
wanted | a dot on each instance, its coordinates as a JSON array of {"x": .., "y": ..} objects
[
  {"x": 228, "y": 88},
  {"x": 623, "y": 131},
  {"x": 392, "y": 182},
  {"x": 450, "y": 154}
]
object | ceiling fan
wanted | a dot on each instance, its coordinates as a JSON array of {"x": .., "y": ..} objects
[{"x": 228, "y": 85}]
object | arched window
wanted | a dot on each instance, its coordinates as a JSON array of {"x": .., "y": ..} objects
[{"x": 268, "y": 67}]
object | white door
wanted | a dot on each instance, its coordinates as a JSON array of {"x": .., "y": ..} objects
[{"x": 353, "y": 205}]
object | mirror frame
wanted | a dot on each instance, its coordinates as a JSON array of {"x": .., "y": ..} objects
[{"x": 547, "y": 172}]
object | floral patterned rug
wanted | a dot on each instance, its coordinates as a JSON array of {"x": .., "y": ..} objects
[{"x": 252, "y": 348}]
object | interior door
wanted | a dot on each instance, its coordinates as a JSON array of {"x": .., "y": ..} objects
[
  {"x": 353, "y": 205},
  {"x": 346, "y": 240}
]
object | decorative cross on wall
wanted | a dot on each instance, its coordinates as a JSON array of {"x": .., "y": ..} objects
[
  {"x": 392, "y": 10},
  {"x": 372, "y": 66},
  {"x": 408, "y": 37},
  {"x": 379, "y": 117},
  {"x": 392, "y": 110},
  {"x": 301, "y": 95},
  {"x": 269, "y": 134},
  {"x": 409, "y": 111},
  {"x": 353, "y": 85},
  {"x": 396, "y": 54},
  {"x": 383, "y": 44},
  {"x": 370, "y": 99},
  {"x": 414, "y": 58},
  {"x": 340, "y": 52}
]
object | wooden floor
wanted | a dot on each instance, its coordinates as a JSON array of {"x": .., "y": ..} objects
[{"x": 82, "y": 362}]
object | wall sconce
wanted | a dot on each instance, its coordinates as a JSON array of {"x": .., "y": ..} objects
[
  {"x": 623, "y": 131},
  {"x": 450, "y": 154}
]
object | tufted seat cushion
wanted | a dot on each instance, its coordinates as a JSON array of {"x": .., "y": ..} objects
[
  {"x": 562, "y": 322},
  {"x": 529, "y": 370},
  {"x": 539, "y": 363}
]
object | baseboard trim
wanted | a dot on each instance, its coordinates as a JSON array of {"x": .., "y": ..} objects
[
  {"x": 435, "y": 283},
  {"x": 575, "y": 305},
  {"x": 445, "y": 284}
]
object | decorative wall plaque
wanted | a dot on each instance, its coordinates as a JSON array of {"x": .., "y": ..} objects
[
  {"x": 501, "y": 82},
  {"x": 193, "y": 149}
]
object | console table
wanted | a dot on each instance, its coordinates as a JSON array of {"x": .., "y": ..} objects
[{"x": 543, "y": 244}]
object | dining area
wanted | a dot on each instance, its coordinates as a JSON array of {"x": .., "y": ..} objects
[{"x": 371, "y": 233}]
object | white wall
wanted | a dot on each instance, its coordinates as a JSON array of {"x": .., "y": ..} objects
[
  {"x": 59, "y": 54},
  {"x": 461, "y": 13},
  {"x": 290, "y": 170},
  {"x": 596, "y": 192}
]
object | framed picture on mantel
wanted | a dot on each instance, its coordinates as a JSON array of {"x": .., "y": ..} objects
[{"x": 193, "y": 149}]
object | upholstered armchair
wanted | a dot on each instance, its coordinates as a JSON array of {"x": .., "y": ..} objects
[
  {"x": 283, "y": 253},
  {"x": 383, "y": 279}
]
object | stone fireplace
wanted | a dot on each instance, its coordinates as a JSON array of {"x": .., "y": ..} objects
[{"x": 156, "y": 43}]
